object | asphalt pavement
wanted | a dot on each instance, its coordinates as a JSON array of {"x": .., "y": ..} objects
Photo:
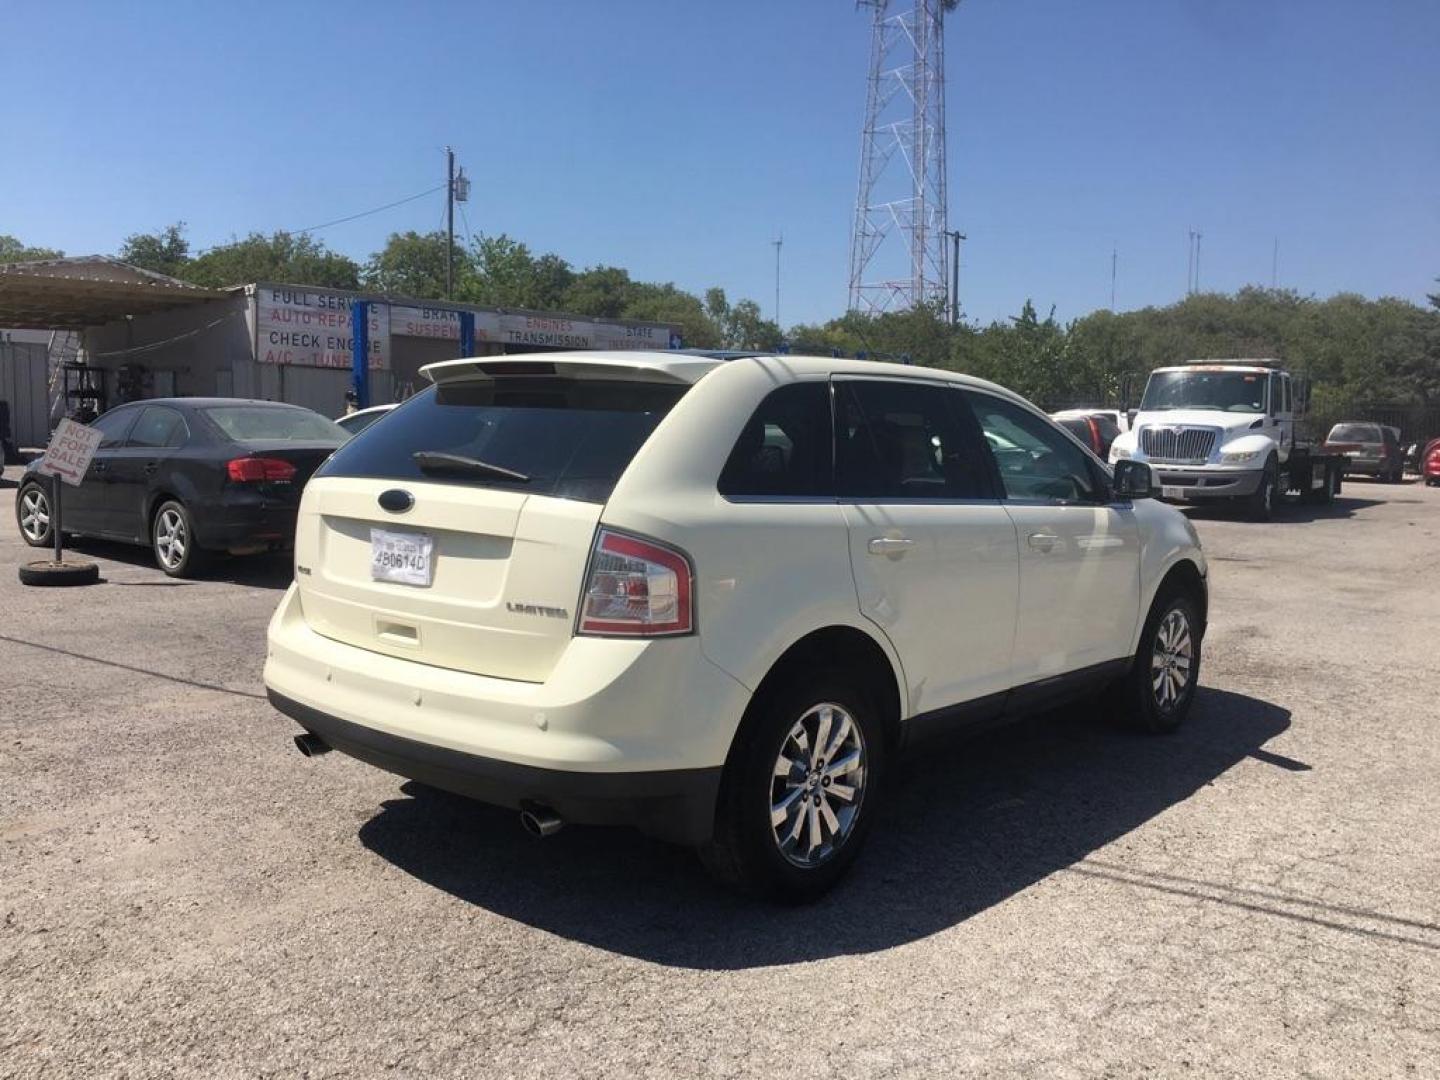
[{"x": 181, "y": 893}]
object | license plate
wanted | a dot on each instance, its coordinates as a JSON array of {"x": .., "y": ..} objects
[
  {"x": 401, "y": 557},
  {"x": 1172, "y": 491}
]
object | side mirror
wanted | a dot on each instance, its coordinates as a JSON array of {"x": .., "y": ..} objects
[
  {"x": 1134, "y": 480},
  {"x": 1130, "y": 415}
]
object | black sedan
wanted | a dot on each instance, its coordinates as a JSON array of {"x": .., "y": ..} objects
[{"x": 189, "y": 477}]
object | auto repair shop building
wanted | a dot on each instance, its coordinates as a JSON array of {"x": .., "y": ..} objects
[
  {"x": 145, "y": 335},
  {"x": 295, "y": 343}
]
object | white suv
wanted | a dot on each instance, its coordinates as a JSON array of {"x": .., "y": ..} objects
[{"x": 713, "y": 598}]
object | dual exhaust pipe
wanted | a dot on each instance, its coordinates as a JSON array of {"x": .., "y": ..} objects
[{"x": 538, "y": 820}]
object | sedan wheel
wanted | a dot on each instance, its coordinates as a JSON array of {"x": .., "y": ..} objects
[
  {"x": 32, "y": 510},
  {"x": 173, "y": 541}
]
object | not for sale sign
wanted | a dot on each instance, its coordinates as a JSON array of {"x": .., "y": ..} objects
[{"x": 69, "y": 453}]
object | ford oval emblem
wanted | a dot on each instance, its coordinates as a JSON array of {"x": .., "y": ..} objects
[{"x": 396, "y": 500}]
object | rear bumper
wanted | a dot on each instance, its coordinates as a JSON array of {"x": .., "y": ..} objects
[
  {"x": 619, "y": 732},
  {"x": 676, "y": 805},
  {"x": 1201, "y": 484},
  {"x": 240, "y": 519}
]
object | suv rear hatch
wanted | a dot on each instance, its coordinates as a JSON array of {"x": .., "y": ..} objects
[{"x": 479, "y": 497}]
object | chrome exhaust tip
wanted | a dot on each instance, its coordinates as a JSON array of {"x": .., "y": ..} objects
[
  {"x": 311, "y": 745},
  {"x": 539, "y": 821}
]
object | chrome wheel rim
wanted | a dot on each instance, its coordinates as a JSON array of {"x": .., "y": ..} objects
[
  {"x": 34, "y": 514},
  {"x": 1172, "y": 660},
  {"x": 817, "y": 785},
  {"x": 170, "y": 539}
]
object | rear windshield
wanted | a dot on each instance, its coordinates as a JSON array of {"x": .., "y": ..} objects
[
  {"x": 247, "y": 423},
  {"x": 1355, "y": 433},
  {"x": 565, "y": 437}
]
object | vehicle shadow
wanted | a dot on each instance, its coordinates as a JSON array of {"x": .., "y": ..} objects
[
  {"x": 1291, "y": 512},
  {"x": 6, "y": 485},
  {"x": 257, "y": 571},
  {"x": 967, "y": 826}
]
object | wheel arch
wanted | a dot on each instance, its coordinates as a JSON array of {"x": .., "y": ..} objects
[
  {"x": 1184, "y": 575},
  {"x": 846, "y": 648}
]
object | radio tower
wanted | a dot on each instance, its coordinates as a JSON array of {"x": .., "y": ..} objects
[{"x": 897, "y": 243}]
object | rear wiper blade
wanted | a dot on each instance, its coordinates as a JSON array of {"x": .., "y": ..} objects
[{"x": 432, "y": 461}]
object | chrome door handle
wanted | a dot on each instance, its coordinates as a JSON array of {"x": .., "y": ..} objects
[
  {"x": 890, "y": 545},
  {"x": 1043, "y": 541}
]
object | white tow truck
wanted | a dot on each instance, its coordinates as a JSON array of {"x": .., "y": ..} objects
[{"x": 1224, "y": 430}]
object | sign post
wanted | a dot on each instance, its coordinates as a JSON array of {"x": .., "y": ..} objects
[{"x": 66, "y": 461}]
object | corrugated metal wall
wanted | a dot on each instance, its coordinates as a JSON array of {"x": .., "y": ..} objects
[{"x": 24, "y": 384}]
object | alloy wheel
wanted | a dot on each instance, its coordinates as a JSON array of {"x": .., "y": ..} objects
[
  {"x": 34, "y": 514},
  {"x": 1171, "y": 659},
  {"x": 818, "y": 785},
  {"x": 171, "y": 538}
]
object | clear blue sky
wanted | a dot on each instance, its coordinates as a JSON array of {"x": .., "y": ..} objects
[{"x": 676, "y": 137}]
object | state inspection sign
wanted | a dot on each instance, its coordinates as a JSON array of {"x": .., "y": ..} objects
[{"x": 69, "y": 453}]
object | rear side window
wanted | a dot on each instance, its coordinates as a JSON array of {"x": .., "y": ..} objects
[
  {"x": 785, "y": 448},
  {"x": 159, "y": 428},
  {"x": 905, "y": 440},
  {"x": 113, "y": 425},
  {"x": 570, "y": 438}
]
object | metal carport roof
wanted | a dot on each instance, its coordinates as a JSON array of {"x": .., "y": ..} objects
[{"x": 89, "y": 290}]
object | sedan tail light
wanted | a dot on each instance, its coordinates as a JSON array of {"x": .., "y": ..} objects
[
  {"x": 254, "y": 470},
  {"x": 636, "y": 588}
]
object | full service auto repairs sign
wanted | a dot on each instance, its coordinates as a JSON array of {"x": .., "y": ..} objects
[
  {"x": 313, "y": 329},
  {"x": 522, "y": 329},
  {"x": 69, "y": 453}
]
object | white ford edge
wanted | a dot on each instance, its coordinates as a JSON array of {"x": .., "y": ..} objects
[{"x": 713, "y": 598}]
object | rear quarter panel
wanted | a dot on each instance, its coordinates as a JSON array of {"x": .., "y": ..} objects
[{"x": 767, "y": 572}]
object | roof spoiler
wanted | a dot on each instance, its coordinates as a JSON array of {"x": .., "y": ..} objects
[{"x": 673, "y": 369}]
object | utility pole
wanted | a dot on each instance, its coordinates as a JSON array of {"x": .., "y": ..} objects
[
  {"x": 955, "y": 236},
  {"x": 1114, "y": 258},
  {"x": 1190, "y": 262},
  {"x": 1197, "y": 261},
  {"x": 778, "y": 244},
  {"x": 449, "y": 223},
  {"x": 1275, "y": 265}
]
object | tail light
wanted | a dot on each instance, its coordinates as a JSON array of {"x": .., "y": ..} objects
[
  {"x": 252, "y": 470},
  {"x": 636, "y": 588},
  {"x": 1432, "y": 462}
]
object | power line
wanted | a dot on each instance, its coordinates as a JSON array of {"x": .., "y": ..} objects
[{"x": 337, "y": 221}]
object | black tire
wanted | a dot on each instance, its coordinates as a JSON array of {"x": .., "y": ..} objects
[
  {"x": 746, "y": 850},
  {"x": 173, "y": 543},
  {"x": 32, "y": 502},
  {"x": 1261, "y": 505},
  {"x": 1138, "y": 701},
  {"x": 56, "y": 575}
]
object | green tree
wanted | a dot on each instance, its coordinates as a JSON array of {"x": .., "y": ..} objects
[
  {"x": 166, "y": 252},
  {"x": 503, "y": 273},
  {"x": 740, "y": 326},
  {"x": 413, "y": 264},
  {"x": 288, "y": 258},
  {"x": 13, "y": 251},
  {"x": 600, "y": 291}
]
